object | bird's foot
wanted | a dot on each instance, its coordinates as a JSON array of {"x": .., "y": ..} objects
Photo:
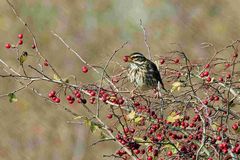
[{"x": 157, "y": 94}]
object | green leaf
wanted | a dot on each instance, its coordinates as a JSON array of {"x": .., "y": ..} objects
[
  {"x": 12, "y": 97},
  {"x": 138, "y": 119},
  {"x": 176, "y": 86}
]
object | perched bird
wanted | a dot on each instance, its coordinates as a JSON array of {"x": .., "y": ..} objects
[{"x": 143, "y": 72}]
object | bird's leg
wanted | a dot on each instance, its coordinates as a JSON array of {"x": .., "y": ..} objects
[{"x": 157, "y": 93}]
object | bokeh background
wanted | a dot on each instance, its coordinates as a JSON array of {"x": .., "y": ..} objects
[{"x": 32, "y": 128}]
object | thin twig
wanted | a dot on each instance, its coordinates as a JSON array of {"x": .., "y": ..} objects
[
  {"x": 102, "y": 76},
  {"x": 145, "y": 39}
]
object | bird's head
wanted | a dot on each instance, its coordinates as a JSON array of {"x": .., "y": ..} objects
[{"x": 137, "y": 58}]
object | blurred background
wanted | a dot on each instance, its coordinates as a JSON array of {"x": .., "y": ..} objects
[{"x": 32, "y": 128}]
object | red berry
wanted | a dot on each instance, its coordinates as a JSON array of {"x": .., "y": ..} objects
[
  {"x": 162, "y": 61},
  {"x": 71, "y": 101},
  {"x": 225, "y": 150},
  {"x": 205, "y": 102},
  {"x": 207, "y": 65},
  {"x": 216, "y": 98},
  {"x": 169, "y": 153},
  {"x": 235, "y": 126},
  {"x": 202, "y": 75},
  {"x": 7, "y": 45},
  {"x": 136, "y": 151},
  {"x": 211, "y": 98},
  {"x": 209, "y": 79},
  {"x": 227, "y": 65},
  {"x": 92, "y": 100},
  {"x": 176, "y": 60},
  {"x": 149, "y": 158},
  {"x": 93, "y": 93},
  {"x": 78, "y": 95},
  {"x": 219, "y": 138},
  {"x": 143, "y": 151},
  {"x": 159, "y": 137},
  {"x": 125, "y": 58},
  {"x": 220, "y": 79},
  {"x": 51, "y": 94},
  {"x": 237, "y": 150},
  {"x": 228, "y": 75},
  {"x": 126, "y": 130},
  {"x": 132, "y": 130},
  {"x": 209, "y": 159},
  {"x": 33, "y": 46},
  {"x": 75, "y": 92},
  {"x": 69, "y": 97},
  {"x": 206, "y": 73},
  {"x": 20, "y": 42},
  {"x": 45, "y": 63},
  {"x": 120, "y": 101},
  {"x": 136, "y": 104},
  {"x": 219, "y": 129},
  {"x": 225, "y": 129},
  {"x": 20, "y": 36},
  {"x": 109, "y": 116},
  {"x": 57, "y": 100},
  {"x": 84, "y": 69}
]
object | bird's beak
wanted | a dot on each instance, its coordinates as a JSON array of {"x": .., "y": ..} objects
[{"x": 129, "y": 59}]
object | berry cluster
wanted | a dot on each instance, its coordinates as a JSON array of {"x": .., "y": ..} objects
[{"x": 20, "y": 42}]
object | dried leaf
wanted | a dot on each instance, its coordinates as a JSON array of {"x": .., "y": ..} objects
[
  {"x": 78, "y": 117},
  {"x": 176, "y": 86},
  {"x": 131, "y": 115},
  {"x": 214, "y": 126},
  {"x": 138, "y": 119},
  {"x": 173, "y": 117},
  {"x": 55, "y": 77}
]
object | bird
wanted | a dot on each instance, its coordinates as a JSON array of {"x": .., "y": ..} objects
[{"x": 143, "y": 73}]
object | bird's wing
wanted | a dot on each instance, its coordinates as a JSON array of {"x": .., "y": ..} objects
[{"x": 154, "y": 73}]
